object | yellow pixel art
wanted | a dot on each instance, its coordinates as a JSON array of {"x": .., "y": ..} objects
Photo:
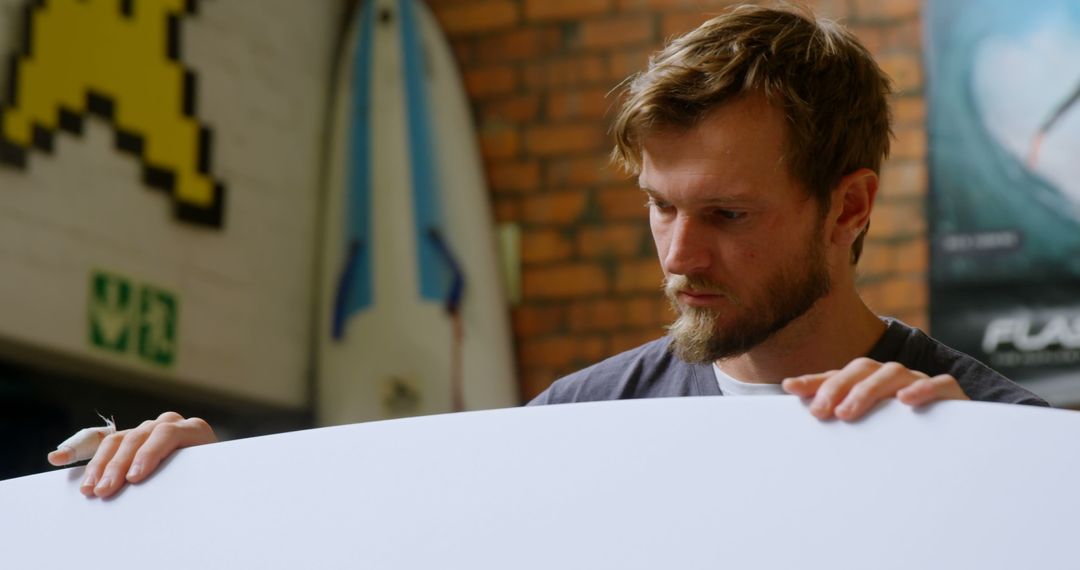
[{"x": 120, "y": 60}]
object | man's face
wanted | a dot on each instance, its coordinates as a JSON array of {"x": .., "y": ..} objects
[{"x": 741, "y": 244}]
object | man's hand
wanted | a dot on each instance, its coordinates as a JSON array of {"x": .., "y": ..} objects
[
  {"x": 131, "y": 455},
  {"x": 850, "y": 393}
]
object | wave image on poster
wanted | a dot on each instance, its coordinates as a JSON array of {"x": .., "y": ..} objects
[{"x": 1004, "y": 134}]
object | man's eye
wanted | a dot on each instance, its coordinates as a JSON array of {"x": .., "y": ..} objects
[
  {"x": 661, "y": 206},
  {"x": 728, "y": 215}
]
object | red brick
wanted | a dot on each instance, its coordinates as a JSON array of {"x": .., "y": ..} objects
[
  {"x": 610, "y": 33},
  {"x": 831, "y": 9},
  {"x": 554, "y": 207},
  {"x": 563, "y": 354},
  {"x": 622, "y": 203},
  {"x": 565, "y": 9},
  {"x": 499, "y": 142},
  {"x": 677, "y": 24},
  {"x": 507, "y": 209},
  {"x": 562, "y": 139},
  {"x": 519, "y": 44},
  {"x": 514, "y": 108},
  {"x": 877, "y": 260},
  {"x": 650, "y": 311},
  {"x": 890, "y": 37},
  {"x": 620, "y": 240},
  {"x": 535, "y": 380},
  {"x": 576, "y": 70},
  {"x": 623, "y": 64},
  {"x": 886, "y": 9},
  {"x": 917, "y": 318},
  {"x": 903, "y": 178},
  {"x": 905, "y": 35},
  {"x": 910, "y": 142},
  {"x": 702, "y": 6},
  {"x": 632, "y": 339},
  {"x": 872, "y": 37},
  {"x": 578, "y": 104},
  {"x": 563, "y": 281},
  {"x": 899, "y": 218},
  {"x": 595, "y": 315},
  {"x": 872, "y": 293},
  {"x": 485, "y": 82},
  {"x": 514, "y": 176},
  {"x": 476, "y": 16},
  {"x": 581, "y": 171},
  {"x": 538, "y": 319},
  {"x": 654, "y": 5},
  {"x": 639, "y": 276},
  {"x": 544, "y": 245},
  {"x": 887, "y": 259},
  {"x": 904, "y": 69},
  {"x": 462, "y": 49},
  {"x": 909, "y": 110},
  {"x": 895, "y": 294},
  {"x": 913, "y": 256},
  {"x": 907, "y": 292}
]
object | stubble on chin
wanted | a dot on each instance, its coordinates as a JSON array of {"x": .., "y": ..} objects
[
  {"x": 694, "y": 334},
  {"x": 697, "y": 336}
]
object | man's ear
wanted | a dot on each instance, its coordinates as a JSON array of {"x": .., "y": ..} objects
[{"x": 852, "y": 201}]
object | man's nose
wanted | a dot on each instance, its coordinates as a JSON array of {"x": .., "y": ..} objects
[{"x": 687, "y": 253}]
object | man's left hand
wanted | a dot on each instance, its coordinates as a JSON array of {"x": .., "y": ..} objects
[{"x": 849, "y": 393}]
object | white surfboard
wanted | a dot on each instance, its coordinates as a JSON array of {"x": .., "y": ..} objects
[
  {"x": 680, "y": 483},
  {"x": 414, "y": 318}
]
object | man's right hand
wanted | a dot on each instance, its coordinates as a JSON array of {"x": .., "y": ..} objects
[{"x": 132, "y": 455}]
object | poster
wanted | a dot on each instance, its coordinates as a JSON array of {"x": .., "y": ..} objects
[{"x": 1003, "y": 95}]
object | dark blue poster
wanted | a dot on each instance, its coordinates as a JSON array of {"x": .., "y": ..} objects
[{"x": 1003, "y": 96}]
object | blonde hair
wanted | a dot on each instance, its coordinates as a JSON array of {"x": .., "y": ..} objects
[{"x": 830, "y": 89}]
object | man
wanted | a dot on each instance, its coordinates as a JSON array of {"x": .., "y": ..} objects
[{"x": 757, "y": 139}]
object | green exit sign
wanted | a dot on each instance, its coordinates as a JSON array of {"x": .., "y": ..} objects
[{"x": 133, "y": 318}]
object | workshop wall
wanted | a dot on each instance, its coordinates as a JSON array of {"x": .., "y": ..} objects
[{"x": 115, "y": 261}]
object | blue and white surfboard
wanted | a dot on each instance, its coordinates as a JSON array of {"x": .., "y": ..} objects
[{"x": 414, "y": 316}]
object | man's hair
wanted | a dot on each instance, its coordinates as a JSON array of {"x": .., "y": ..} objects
[{"x": 830, "y": 89}]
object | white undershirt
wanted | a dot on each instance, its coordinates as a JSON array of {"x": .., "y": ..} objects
[{"x": 732, "y": 387}]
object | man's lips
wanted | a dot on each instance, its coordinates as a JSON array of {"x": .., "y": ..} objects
[{"x": 699, "y": 298}]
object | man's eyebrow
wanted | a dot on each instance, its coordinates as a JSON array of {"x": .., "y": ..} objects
[
  {"x": 710, "y": 201},
  {"x": 653, "y": 195}
]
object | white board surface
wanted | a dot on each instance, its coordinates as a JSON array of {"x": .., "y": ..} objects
[{"x": 669, "y": 483}]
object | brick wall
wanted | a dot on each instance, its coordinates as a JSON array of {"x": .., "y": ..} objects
[{"x": 539, "y": 73}]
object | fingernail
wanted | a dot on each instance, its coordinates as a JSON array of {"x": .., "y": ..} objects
[
  {"x": 88, "y": 481},
  {"x": 103, "y": 484},
  {"x": 843, "y": 409},
  {"x": 135, "y": 471},
  {"x": 819, "y": 407}
]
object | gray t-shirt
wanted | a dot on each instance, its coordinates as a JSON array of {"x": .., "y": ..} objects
[{"x": 651, "y": 371}]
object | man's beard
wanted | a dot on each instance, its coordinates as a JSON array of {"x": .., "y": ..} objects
[{"x": 789, "y": 294}]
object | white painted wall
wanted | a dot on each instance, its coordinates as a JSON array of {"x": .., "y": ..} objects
[{"x": 245, "y": 291}]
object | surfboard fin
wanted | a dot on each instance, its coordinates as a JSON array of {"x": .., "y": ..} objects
[
  {"x": 452, "y": 303},
  {"x": 344, "y": 285}
]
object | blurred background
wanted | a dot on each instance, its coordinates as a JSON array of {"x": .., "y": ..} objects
[{"x": 166, "y": 168}]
